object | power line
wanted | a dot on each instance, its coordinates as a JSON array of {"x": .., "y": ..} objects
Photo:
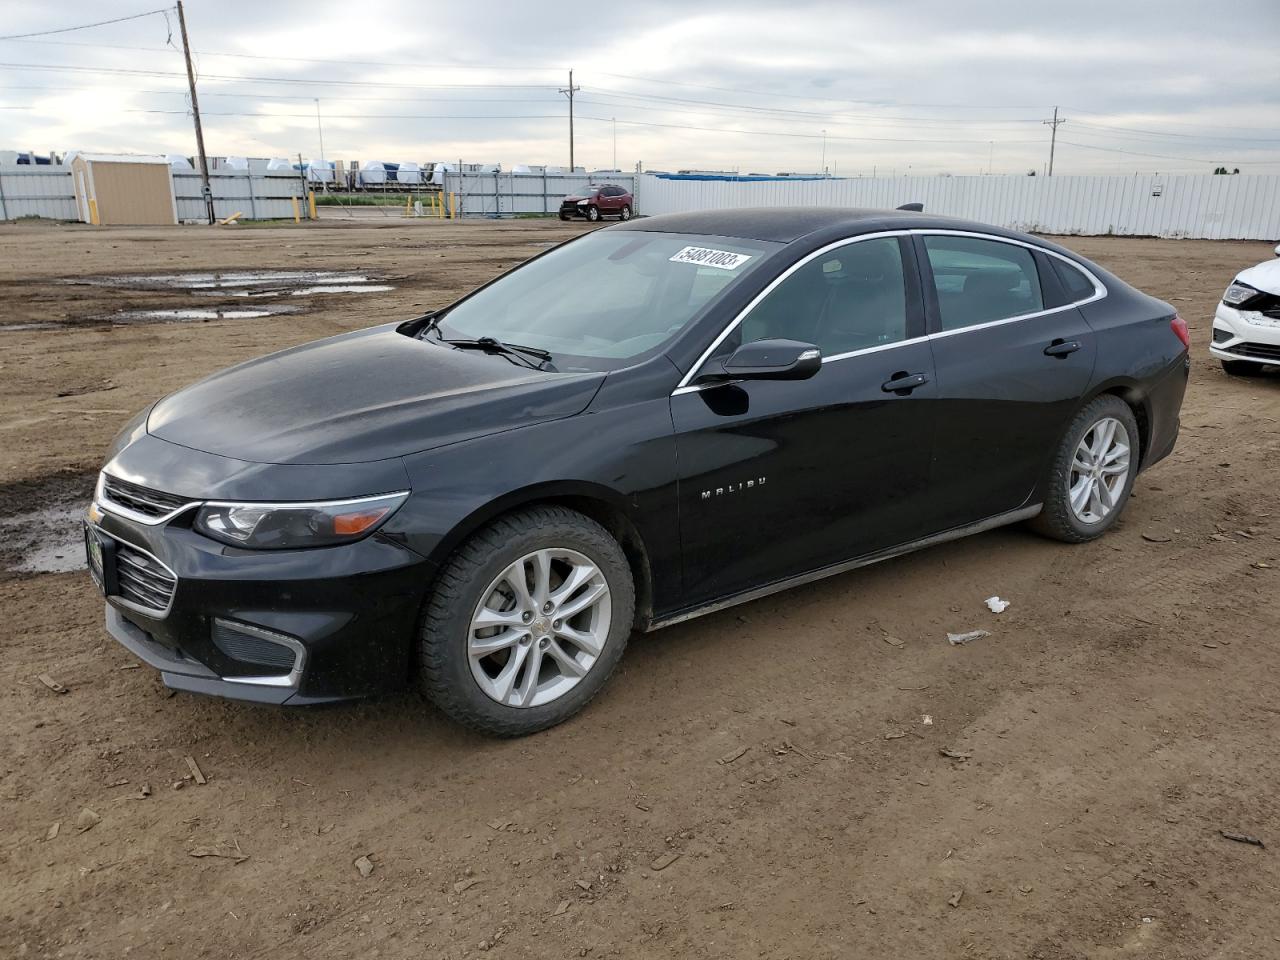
[
  {"x": 84, "y": 26},
  {"x": 1181, "y": 136},
  {"x": 1161, "y": 156},
  {"x": 418, "y": 65},
  {"x": 123, "y": 71}
]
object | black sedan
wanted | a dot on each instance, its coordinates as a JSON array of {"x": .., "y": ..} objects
[{"x": 486, "y": 501}]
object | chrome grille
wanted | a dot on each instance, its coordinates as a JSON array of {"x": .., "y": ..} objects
[
  {"x": 139, "y": 499},
  {"x": 143, "y": 580}
]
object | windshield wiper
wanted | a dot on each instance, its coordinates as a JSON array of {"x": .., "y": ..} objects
[{"x": 513, "y": 351}]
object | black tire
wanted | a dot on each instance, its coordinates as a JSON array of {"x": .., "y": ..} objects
[
  {"x": 445, "y": 670},
  {"x": 1057, "y": 520},
  {"x": 1242, "y": 368},
  {"x": 565, "y": 217},
  {"x": 593, "y": 213},
  {"x": 625, "y": 214}
]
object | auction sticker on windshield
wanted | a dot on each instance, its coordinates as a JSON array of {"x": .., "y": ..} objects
[{"x": 706, "y": 257}]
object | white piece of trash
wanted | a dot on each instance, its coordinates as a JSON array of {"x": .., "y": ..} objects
[
  {"x": 956, "y": 639},
  {"x": 996, "y": 605}
]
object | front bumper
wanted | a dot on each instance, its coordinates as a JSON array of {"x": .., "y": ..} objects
[
  {"x": 1245, "y": 335},
  {"x": 347, "y": 612}
]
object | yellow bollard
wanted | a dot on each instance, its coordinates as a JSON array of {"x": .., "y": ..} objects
[
  {"x": 297, "y": 210},
  {"x": 453, "y": 205},
  {"x": 93, "y": 212},
  {"x": 311, "y": 203}
]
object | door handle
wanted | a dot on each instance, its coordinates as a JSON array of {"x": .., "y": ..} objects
[
  {"x": 1061, "y": 348},
  {"x": 903, "y": 383}
]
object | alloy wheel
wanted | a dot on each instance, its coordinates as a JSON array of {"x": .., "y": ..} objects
[
  {"x": 1099, "y": 470},
  {"x": 539, "y": 628}
]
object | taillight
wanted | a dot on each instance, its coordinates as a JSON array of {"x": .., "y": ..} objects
[{"x": 1180, "y": 330}]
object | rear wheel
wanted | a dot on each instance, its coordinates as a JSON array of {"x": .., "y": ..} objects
[
  {"x": 626, "y": 212},
  {"x": 593, "y": 213},
  {"x": 1242, "y": 368},
  {"x": 1092, "y": 472},
  {"x": 527, "y": 621}
]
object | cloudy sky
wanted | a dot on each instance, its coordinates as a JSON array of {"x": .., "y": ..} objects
[{"x": 919, "y": 86}]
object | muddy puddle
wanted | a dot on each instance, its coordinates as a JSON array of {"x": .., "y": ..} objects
[
  {"x": 245, "y": 283},
  {"x": 210, "y": 295},
  {"x": 197, "y": 314},
  {"x": 40, "y": 531}
]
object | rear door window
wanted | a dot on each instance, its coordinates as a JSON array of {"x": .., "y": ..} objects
[{"x": 978, "y": 280}]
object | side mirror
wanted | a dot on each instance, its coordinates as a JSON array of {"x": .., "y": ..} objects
[
  {"x": 773, "y": 360},
  {"x": 1278, "y": 249}
]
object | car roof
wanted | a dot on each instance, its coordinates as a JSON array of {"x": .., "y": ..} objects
[{"x": 786, "y": 224}]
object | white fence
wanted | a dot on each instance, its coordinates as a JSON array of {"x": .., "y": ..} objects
[
  {"x": 37, "y": 192},
  {"x": 1236, "y": 207},
  {"x": 509, "y": 194},
  {"x": 49, "y": 192},
  {"x": 259, "y": 196}
]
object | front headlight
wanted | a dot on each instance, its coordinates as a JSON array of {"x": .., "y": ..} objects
[
  {"x": 1238, "y": 293},
  {"x": 583, "y": 202},
  {"x": 280, "y": 526}
]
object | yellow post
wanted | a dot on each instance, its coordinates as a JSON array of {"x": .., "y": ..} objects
[
  {"x": 93, "y": 212},
  {"x": 311, "y": 203},
  {"x": 297, "y": 211},
  {"x": 438, "y": 199},
  {"x": 453, "y": 205},
  {"x": 408, "y": 200}
]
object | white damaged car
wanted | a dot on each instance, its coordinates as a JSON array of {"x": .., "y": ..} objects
[{"x": 1246, "y": 325}]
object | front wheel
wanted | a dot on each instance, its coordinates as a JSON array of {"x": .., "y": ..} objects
[
  {"x": 1242, "y": 368},
  {"x": 1092, "y": 472},
  {"x": 564, "y": 216},
  {"x": 526, "y": 622},
  {"x": 626, "y": 213},
  {"x": 593, "y": 214}
]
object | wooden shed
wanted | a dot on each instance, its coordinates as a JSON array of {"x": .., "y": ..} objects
[{"x": 124, "y": 189}]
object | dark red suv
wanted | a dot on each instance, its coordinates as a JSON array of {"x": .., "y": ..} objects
[{"x": 599, "y": 200}]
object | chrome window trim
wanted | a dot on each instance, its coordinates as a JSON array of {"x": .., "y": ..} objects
[
  {"x": 1099, "y": 292},
  {"x": 155, "y": 613},
  {"x": 290, "y": 679},
  {"x": 1099, "y": 289}
]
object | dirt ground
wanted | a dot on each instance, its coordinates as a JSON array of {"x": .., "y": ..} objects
[{"x": 1122, "y": 713}]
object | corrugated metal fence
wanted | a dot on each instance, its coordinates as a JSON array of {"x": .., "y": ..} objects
[
  {"x": 1213, "y": 207},
  {"x": 37, "y": 192},
  {"x": 509, "y": 194},
  {"x": 259, "y": 196},
  {"x": 45, "y": 192}
]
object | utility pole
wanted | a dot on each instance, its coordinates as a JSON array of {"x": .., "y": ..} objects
[
  {"x": 615, "y": 143},
  {"x": 824, "y": 151},
  {"x": 1053, "y": 137},
  {"x": 195, "y": 113},
  {"x": 570, "y": 91}
]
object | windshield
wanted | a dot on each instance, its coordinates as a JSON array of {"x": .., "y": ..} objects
[{"x": 607, "y": 299}]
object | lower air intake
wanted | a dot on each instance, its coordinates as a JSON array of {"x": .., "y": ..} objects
[{"x": 254, "y": 645}]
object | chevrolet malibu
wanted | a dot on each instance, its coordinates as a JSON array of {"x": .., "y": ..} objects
[{"x": 486, "y": 501}]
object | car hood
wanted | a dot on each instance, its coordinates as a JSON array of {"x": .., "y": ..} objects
[
  {"x": 364, "y": 396},
  {"x": 574, "y": 197},
  {"x": 1264, "y": 277}
]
